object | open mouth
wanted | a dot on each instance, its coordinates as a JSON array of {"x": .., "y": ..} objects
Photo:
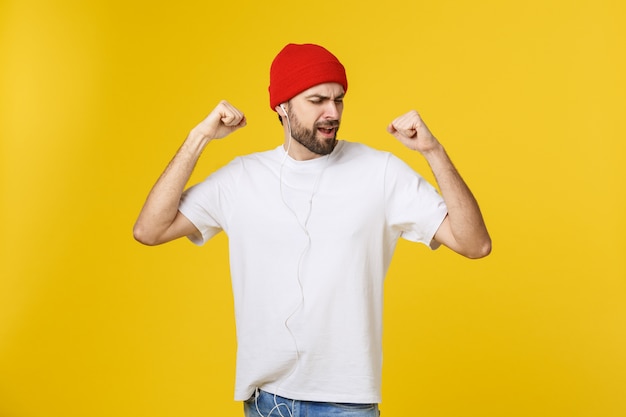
[{"x": 328, "y": 131}]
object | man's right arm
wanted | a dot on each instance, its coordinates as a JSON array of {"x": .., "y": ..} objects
[{"x": 159, "y": 220}]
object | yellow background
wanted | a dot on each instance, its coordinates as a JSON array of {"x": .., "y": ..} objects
[{"x": 528, "y": 97}]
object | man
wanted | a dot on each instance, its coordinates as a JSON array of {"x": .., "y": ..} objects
[{"x": 312, "y": 225}]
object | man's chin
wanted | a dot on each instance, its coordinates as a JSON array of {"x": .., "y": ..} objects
[
  {"x": 320, "y": 146},
  {"x": 329, "y": 146}
]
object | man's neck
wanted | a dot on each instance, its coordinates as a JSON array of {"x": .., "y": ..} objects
[{"x": 298, "y": 152}]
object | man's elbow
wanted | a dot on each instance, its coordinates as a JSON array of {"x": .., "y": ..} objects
[
  {"x": 479, "y": 251},
  {"x": 143, "y": 235}
]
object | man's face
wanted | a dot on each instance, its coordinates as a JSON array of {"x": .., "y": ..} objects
[{"x": 315, "y": 115}]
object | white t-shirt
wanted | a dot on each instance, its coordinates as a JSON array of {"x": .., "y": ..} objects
[{"x": 310, "y": 243}]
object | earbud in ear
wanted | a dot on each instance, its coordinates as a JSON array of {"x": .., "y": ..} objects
[{"x": 282, "y": 106}]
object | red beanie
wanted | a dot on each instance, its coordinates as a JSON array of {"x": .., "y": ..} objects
[{"x": 299, "y": 67}]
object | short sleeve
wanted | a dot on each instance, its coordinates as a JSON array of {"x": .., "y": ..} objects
[
  {"x": 207, "y": 203},
  {"x": 413, "y": 206}
]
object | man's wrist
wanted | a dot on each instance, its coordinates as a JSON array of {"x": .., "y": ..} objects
[
  {"x": 434, "y": 151},
  {"x": 196, "y": 141},
  {"x": 198, "y": 135}
]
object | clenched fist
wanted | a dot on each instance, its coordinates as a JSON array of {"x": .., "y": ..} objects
[
  {"x": 411, "y": 130},
  {"x": 221, "y": 122}
]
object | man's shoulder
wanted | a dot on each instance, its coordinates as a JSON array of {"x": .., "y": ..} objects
[
  {"x": 360, "y": 150},
  {"x": 245, "y": 161},
  {"x": 268, "y": 154}
]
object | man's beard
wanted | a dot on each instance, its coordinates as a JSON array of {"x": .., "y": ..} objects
[{"x": 308, "y": 137}]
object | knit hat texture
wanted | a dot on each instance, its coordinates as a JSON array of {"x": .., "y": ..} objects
[{"x": 297, "y": 68}]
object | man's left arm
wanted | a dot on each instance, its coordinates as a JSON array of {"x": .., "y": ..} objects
[{"x": 463, "y": 230}]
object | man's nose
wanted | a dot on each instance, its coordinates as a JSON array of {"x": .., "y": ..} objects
[{"x": 331, "y": 110}]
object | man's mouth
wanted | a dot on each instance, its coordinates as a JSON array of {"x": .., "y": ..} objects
[{"x": 328, "y": 130}]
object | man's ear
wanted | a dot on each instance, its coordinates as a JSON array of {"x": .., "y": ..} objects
[{"x": 280, "y": 109}]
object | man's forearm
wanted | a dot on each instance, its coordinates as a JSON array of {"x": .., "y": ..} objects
[
  {"x": 466, "y": 221},
  {"x": 161, "y": 206}
]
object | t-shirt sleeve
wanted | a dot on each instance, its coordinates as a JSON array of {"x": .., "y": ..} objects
[
  {"x": 413, "y": 206},
  {"x": 207, "y": 203}
]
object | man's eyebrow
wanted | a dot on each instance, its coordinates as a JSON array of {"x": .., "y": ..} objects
[{"x": 323, "y": 97}]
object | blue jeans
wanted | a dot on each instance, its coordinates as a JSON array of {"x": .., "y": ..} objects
[{"x": 264, "y": 404}]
